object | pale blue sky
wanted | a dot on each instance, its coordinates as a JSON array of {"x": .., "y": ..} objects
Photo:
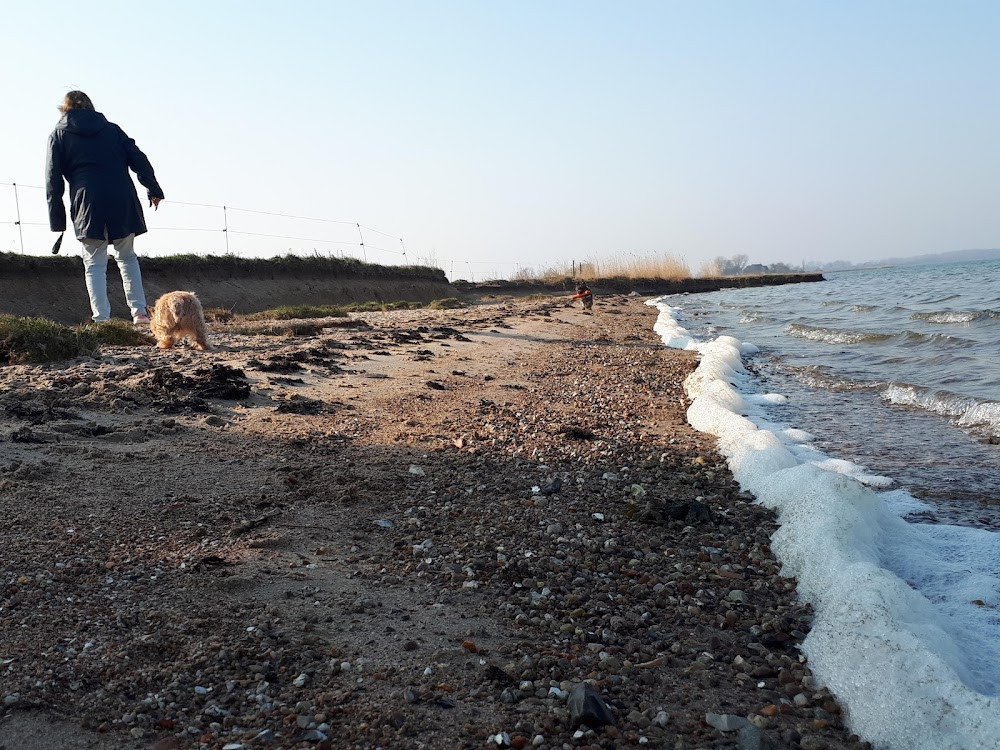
[{"x": 533, "y": 133}]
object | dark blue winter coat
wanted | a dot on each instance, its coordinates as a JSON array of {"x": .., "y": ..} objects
[{"x": 94, "y": 156}]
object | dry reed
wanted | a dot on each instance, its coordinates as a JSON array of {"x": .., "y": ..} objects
[{"x": 621, "y": 266}]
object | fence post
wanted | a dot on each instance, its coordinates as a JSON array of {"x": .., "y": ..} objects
[
  {"x": 364, "y": 252},
  {"x": 20, "y": 230}
]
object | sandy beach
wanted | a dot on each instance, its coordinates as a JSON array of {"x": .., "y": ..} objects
[{"x": 413, "y": 529}]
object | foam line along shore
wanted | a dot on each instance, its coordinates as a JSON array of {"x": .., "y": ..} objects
[{"x": 909, "y": 673}]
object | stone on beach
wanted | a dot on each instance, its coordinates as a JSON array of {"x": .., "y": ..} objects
[
  {"x": 586, "y": 706},
  {"x": 726, "y": 722}
]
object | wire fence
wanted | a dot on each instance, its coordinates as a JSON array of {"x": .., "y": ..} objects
[{"x": 212, "y": 229}]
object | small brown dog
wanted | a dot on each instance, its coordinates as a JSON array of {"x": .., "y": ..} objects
[{"x": 177, "y": 315}]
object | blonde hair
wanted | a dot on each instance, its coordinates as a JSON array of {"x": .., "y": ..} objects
[{"x": 76, "y": 100}]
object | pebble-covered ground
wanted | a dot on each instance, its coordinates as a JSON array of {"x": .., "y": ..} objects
[{"x": 479, "y": 528}]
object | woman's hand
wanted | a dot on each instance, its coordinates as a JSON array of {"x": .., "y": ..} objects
[{"x": 155, "y": 203}]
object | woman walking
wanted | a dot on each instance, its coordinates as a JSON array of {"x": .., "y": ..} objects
[{"x": 94, "y": 156}]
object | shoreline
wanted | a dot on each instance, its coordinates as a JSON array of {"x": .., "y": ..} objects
[
  {"x": 356, "y": 539},
  {"x": 891, "y": 577},
  {"x": 53, "y": 287}
]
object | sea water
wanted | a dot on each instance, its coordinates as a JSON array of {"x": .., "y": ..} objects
[{"x": 865, "y": 409}]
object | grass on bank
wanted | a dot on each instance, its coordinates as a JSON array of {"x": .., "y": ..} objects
[
  {"x": 233, "y": 265},
  {"x": 287, "y": 328},
  {"x": 291, "y": 312},
  {"x": 37, "y": 340},
  {"x": 305, "y": 312},
  {"x": 448, "y": 303},
  {"x": 293, "y": 320}
]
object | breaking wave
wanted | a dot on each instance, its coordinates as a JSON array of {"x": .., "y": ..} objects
[
  {"x": 835, "y": 335},
  {"x": 965, "y": 411},
  {"x": 967, "y": 316},
  {"x": 847, "y": 336},
  {"x": 822, "y": 377}
]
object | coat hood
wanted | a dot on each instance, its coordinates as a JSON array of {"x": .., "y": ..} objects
[{"x": 82, "y": 122}]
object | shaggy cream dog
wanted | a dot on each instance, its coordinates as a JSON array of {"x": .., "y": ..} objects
[{"x": 177, "y": 315}]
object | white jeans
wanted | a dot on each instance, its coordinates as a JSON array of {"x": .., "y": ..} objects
[{"x": 95, "y": 265}]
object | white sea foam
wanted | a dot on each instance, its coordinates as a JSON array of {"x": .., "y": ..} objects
[
  {"x": 795, "y": 435},
  {"x": 766, "y": 398},
  {"x": 673, "y": 335},
  {"x": 896, "y": 634},
  {"x": 902, "y": 503}
]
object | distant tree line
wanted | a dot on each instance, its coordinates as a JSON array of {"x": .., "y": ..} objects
[{"x": 738, "y": 264}]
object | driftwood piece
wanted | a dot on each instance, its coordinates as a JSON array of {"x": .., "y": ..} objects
[{"x": 253, "y": 523}]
